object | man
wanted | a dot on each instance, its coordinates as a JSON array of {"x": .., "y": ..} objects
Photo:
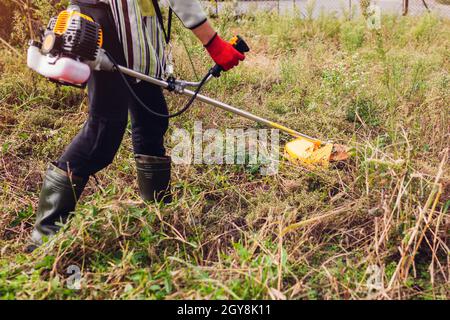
[{"x": 133, "y": 35}]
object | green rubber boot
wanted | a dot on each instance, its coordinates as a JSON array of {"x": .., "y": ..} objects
[
  {"x": 154, "y": 178},
  {"x": 57, "y": 200}
]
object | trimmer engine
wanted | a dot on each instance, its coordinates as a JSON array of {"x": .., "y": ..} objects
[
  {"x": 70, "y": 41},
  {"x": 73, "y": 34}
]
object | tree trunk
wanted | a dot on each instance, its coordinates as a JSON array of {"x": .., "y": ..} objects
[{"x": 405, "y": 7}]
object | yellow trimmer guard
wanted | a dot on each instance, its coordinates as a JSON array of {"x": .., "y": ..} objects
[{"x": 307, "y": 152}]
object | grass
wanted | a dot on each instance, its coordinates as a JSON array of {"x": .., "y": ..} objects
[{"x": 230, "y": 232}]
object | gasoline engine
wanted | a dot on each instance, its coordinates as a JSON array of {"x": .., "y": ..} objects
[{"x": 71, "y": 46}]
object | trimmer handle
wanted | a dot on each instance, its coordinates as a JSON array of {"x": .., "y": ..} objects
[{"x": 240, "y": 45}]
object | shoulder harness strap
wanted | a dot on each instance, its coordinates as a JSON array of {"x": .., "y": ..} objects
[{"x": 167, "y": 32}]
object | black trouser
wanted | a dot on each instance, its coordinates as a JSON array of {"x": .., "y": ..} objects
[{"x": 96, "y": 144}]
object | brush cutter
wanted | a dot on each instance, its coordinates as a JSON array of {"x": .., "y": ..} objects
[{"x": 71, "y": 48}]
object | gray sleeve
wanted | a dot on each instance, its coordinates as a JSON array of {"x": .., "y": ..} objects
[{"x": 190, "y": 12}]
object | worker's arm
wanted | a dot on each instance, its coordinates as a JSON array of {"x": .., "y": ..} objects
[
  {"x": 193, "y": 17},
  {"x": 205, "y": 32}
]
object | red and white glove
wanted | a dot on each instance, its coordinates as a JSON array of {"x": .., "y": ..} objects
[{"x": 223, "y": 53}]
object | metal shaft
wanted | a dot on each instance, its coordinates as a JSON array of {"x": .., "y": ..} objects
[
  {"x": 222, "y": 106},
  {"x": 250, "y": 116},
  {"x": 163, "y": 84}
]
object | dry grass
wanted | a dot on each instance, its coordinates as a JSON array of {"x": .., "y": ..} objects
[{"x": 232, "y": 233}]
